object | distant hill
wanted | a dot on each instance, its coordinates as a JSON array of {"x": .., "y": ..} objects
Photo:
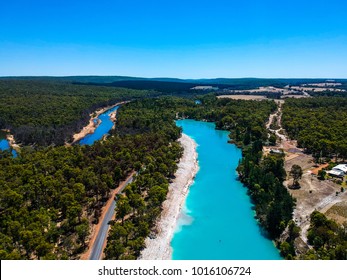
[
  {"x": 171, "y": 84},
  {"x": 156, "y": 85},
  {"x": 77, "y": 79}
]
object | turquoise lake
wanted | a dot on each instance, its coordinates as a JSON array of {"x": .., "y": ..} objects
[
  {"x": 217, "y": 222},
  {"x": 103, "y": 129}
]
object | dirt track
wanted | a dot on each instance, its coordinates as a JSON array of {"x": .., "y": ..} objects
[
  {"x": 244, "y": 97},
  {"x": 312, "y": 195}
]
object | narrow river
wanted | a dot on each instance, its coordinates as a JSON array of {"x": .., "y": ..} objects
[
  {"x": 217, "y": 221},
  {"x": 103, "y": 129}
]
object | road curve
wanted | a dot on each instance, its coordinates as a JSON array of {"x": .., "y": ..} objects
[{"x": 100, "y": 241}]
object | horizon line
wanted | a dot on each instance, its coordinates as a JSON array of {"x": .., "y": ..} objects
[{"x": 165, "y": 77}]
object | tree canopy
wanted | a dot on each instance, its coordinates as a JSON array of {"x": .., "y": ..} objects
[
  {"x": 46, "y": 112},
  {"x": 319, "y": 125}
]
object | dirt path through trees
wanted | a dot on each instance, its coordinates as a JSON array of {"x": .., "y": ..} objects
[{"x": 96, "y": 230}]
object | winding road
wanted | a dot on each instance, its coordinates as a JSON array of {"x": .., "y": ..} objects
[{"x": 98, "y": 241}]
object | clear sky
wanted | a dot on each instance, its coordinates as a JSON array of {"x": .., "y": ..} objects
[{"x": 184, "y": 39}]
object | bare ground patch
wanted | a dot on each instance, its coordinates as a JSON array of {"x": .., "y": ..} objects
[
  {"x": 338, "y": 212},
  {"x": 243, "y": 97},
  {"x": 313, "y": 194},
  {"x": 303, "y": 160}
]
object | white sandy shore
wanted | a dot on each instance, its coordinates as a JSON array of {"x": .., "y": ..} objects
[
  {"x": 159, "y": 248},
  {"x": 12, "y": 142}
]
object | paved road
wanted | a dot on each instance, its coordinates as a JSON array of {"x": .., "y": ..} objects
[{"x": 96, "y": 251}]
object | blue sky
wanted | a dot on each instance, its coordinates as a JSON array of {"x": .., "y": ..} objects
[{"x": 184, "y": 39}]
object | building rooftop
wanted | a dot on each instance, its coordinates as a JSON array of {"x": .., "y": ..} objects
[
  {"x": 342, "y": 167},
  {"x": 336, "y": 173}
]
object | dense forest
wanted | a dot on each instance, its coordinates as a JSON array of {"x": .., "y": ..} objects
[
  {"x": 176, "y": 88},
  {"x": 264, "y": 178},
  {"x": 244, "y": 119},
  {"x": 49, "y": 197},
  {"x": 329, "y": 93},
  {"x": 45, "y": 113},
  {"x": 140, "y": 204},
  {"x": 319, "y": 125}
]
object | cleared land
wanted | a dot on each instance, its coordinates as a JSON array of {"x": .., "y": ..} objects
[
  {"x": 338, "y": 212},
  {"x": 243, "y": 97},
  {"x": 295, "y": 96},
  {"x": 259, "y": 93},
  {"x": 316, "y": 89},
  {"x": 328, "y": 84},
  {"x": 288, "y": 91},
  {"x": 313, "y": 194}
]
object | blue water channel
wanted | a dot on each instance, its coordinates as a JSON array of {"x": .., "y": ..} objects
[
  {"x": 4, "y": 145},
  {"x": 217, "y": 222},
  {"x": 103, "y": 129}
]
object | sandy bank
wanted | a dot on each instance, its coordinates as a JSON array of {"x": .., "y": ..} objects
[
  {"x": 88, "y": 129},
  {"x": 113, "y": 117},
  {"x": 159, "y": 248},
  {"x": 12, "y": 142}
]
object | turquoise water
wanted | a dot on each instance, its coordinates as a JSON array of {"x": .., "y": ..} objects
[
  {"x": 217, "y": 222},
  {"x": 104, "y": 127},
  {"x": 4, "y": 145}
]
